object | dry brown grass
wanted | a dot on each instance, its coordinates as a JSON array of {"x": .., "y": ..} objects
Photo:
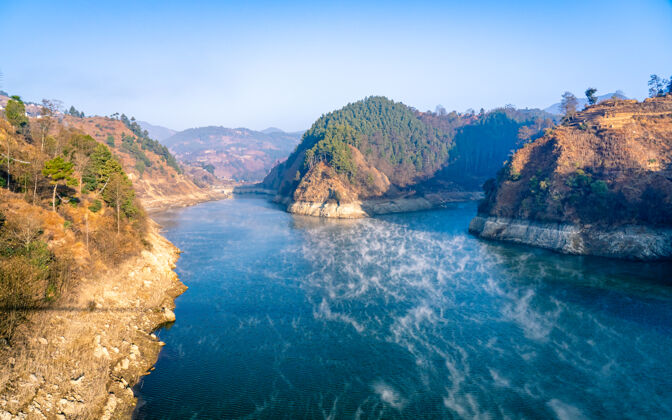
[
  {"x": 74, "y": 361},
  {"x": 627, "y": 145}
]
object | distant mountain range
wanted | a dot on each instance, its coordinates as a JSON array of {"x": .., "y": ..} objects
[
  {"x": 556, "y": 108},
  {"x": 238, "y": 154},
  {"x": 157, "y": 132}
]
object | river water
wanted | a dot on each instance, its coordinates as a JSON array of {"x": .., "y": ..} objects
[{"x": 401, "y": 316}]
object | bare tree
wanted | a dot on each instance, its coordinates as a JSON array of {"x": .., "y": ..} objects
[
  {"x": 569, "y": 104},
  {"x": 525, "y": 134},
  {"x": 37, "y": 163},
  {"x": 50, "y": 108},
  {"x": 9, "y": 159},
  {"x": 116, "y": 192}
]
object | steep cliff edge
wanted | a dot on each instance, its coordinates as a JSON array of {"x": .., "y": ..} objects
[{"x": 599, "y": 184}]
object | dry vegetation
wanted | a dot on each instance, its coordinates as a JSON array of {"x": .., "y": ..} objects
[
  {"x": 84, "y": 277},
  {"x": 610, "y": 164},
  {"x": 80, "y": 358},
  {"x": 158, "y": 184},
  {"x": 95, "y": 219}
]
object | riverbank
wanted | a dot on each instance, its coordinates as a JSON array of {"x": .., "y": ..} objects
[
  {"x": 366, "y": 208},
  {"x": 163, "y": 203},
  {"x": 81, "y": 358},
  {"x": 624, "y": 242}
]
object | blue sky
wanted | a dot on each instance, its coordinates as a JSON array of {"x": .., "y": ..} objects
[{"x": 259, "y": 64}]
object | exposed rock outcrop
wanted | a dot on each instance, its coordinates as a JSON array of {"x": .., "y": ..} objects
[
  {"x": 625, "y": 242},
  {"x": 599, "y": 184},
  {"x": 81, "y": 360}
]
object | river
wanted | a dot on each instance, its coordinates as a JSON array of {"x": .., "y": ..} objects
[{"x": 401, "y": 316}]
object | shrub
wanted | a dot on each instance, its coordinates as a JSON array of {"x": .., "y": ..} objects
[
  {"x": 140, "y": 167},
  {"x": 30, "y": 274},
  {"x": 96, "y": 206}
]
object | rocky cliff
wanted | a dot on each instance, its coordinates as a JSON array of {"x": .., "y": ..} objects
[{"x": 599, "y": 184}]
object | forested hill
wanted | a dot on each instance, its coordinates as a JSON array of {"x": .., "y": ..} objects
[
  {"x": 370, "y": 144},
  {"x": 378, "y": 147},
  {"x": 389, "y": 134}
]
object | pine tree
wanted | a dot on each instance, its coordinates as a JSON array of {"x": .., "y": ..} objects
[
  {"x": 59, "y": 171},
  {"x": 590, "y": 95},
  {"x": 15, "y": 112}
]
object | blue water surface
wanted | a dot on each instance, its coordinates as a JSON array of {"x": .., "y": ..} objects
[{"x": 401, "y": 316}]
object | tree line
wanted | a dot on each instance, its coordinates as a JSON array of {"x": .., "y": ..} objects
[{"x": 60, "y": 157}]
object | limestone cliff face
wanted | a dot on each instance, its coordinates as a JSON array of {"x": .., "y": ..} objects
[
  {"x": 321, "y": 192},
  {"x": 599, "y": 184},
  {"x": 626, "y": 242}
]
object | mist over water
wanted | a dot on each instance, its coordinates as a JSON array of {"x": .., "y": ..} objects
[{"x": 402, "y": 316}]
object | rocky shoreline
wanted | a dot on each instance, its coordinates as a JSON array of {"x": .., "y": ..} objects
[
  {"x": 625, "y": 242},
  {"x": 156, "y": 205},
  {"x": 366, "y": 208},
  {"x": 82, "y": 358}
]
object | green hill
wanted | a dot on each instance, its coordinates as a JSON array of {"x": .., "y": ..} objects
[{"x": 380, "y": 149}]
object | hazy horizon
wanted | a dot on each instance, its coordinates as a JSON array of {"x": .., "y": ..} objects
[{"x": 260, "y": 65}]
